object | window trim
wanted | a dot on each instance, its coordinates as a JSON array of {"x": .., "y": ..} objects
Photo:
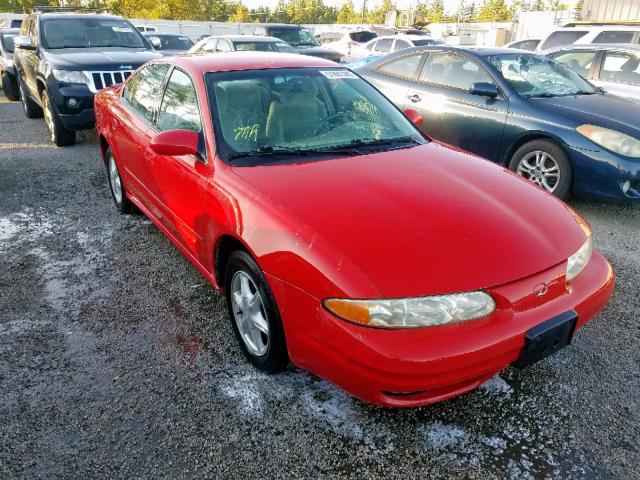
[
  {"x": 423, "y": 55},
  {"x": 156, "y": 103},
  {"x": 501, "y": 95},
  {"x": 603, "y": 58}
]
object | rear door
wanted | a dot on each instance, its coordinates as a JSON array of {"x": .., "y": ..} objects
[
  {"x": 178, "y": 182},
  {"x": 451, "y": 113},
  {"x": 395, "y": 77}
]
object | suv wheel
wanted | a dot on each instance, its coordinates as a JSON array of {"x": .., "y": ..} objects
[
  {"x": 60, "y": 136},
  {"x": 31, "y": 108},
  {"x": 10, "y": 88}
]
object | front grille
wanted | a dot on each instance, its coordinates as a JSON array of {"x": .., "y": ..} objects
[{"x": 100, "y": 80}]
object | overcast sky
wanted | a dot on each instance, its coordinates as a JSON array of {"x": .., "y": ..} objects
[{"x": 449, "y": 5}]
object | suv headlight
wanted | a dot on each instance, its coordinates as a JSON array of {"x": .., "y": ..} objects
[
  {"x": 579, "y": 260},
  {"x": 413, "y": 312},
  {"x": 617, "y": 142},
  {"x": 69, "y": 76}
]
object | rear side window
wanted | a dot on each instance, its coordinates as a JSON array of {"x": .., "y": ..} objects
[
  {"x": 143, "y": 90},
  {"x": 579, "y": 61},
  {"x": 223, "y": 46},
  {"x": 362, "y": 37},
  {"x": 384, "y": 45},
  {"x": 621, "y": 67},
  {"x": 209, "y": 46},
  {"x": 455, "y": 71},
  {"x": 557, "y": 39},
  {"x": 403, "y": 67},
  {"x": 614, "y": 37},
  {"x": 179, "y": 109},
  {"x": 400, "y": 45}
]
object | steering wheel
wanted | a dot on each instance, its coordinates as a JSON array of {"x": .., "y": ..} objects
[{"x": 321, "y": 127}]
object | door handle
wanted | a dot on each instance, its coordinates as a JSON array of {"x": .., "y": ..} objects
[{"x": 414, "y": 98}]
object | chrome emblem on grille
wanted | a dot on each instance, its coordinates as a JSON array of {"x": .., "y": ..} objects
[
  {"x": 541, "y": 290},
  {"x": 125, "y": 67}
]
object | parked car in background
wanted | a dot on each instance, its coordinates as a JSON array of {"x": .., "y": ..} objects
[
  {"x": 168, "y": 43},
  {"x": 147, "y": 28},
  {"x": 590, "y": 34},
  {"x": 241, "y": 43},
  {"x": 7, "y": 68},
  {"x": 273, "y": 175},
  {"x": 11, "y": 20},
  {"x": 522, "y": 110},
  {"x": 62, "y": 59},
  {"x": 300, "y": 38},
  {"x": 529, "y": 44},
  {"x": 381, "y": 46},
  {"x": 351, "y": 42},
  {"x": 616, "y": 68}
]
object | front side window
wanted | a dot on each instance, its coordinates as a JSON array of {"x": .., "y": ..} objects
[
  {"x": 557, "y": 39},
  {"x": 614, "y": 36},
  {"x": 454, "y": 71},
  {"x": 400, "y": 45},
  {"x": 255, "y": 46},
  {"x": 298, "y": 37},
  {"x": 143, "y": 89},
  {"x": 175, "y": 43},
  {"x": 179, "y": 108},
  {"x": 90, "y": 33},
  {"x": 403, "y": 67},
  {"x": 579, "y": 61},
  {"x": 302, "y": 112},
  {"x": 285, "y": 48},
  {"x": 621, "y": 67},
  {"x": 537, "y": 76}
]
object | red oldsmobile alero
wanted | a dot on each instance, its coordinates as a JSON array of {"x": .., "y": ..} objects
[{"x": 346, "y": 242}]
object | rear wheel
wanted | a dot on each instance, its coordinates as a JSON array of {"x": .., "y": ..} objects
[
  {"x": 546, "y": 164},
  {"x": 31, "y": 108},
  {"x": 118, "y": 192},
  {"x": 254, "y": 314},
  {"x": 60, "y": 136},
  {"x": 10, "y": 88}
]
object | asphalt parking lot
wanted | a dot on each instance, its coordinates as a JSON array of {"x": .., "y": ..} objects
[{"x": 117, "y": 360}]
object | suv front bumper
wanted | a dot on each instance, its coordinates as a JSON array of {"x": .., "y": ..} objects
[{"x": 73, "y": 104}]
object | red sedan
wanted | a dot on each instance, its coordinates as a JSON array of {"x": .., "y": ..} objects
[{"x": 345, "y": 242}]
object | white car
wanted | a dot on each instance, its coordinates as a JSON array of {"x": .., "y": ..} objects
[
  {"x": 350, "y": 41},
  {"x": 392, "y": 43},
  {"x": 244, "y": 43},
  {"x": 580, "y": 33}
]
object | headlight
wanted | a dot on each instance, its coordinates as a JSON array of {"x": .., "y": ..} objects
[
  {"x": 579, "y": 260},
  {"x": 413, "y": 312},
  {"x": 611, "y": 140},
  {"x": 69, "y": 76}
]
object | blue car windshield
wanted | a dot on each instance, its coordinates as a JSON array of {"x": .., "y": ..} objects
[{"x": 537, "y": 76}]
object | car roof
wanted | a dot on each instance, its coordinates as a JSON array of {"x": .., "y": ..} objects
[
  {"x": 596, "y": 28},
  {"x": 478, "y": 51},
  {"x": 90, "y": 16},
  {"x": 156, "y": 34},
  {"x": 597, "y": 46},
  {"x": 405, "y": 36},
  {"x": 248, "y": 38},
  {"x": 225, "y": 62}
]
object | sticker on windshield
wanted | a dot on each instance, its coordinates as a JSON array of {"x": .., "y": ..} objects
[
  {"x": 338, "y": 74},
  {"x": 122, "y": 29}
]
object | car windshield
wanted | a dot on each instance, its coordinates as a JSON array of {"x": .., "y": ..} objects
[
  {"x": 537, "y": 76},
  {"x": 90, "y": 33},
  {"x": 298, "y": 37},
  {"x": 265, "y": 116},
  {"x": 7, "y": 41},
  {"x": 174, "y": 43}
]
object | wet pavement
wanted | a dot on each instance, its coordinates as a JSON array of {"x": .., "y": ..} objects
[{"x": 117, "y": 360}]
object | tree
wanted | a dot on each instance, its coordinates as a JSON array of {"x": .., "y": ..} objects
[
  {"x": 378, "y": 14},
  {"x": 347, "y": 14},
  {"x": 494, "y": 11},
  {"x": 432, "y": 10},
  {"x": 466, "y": 11},
  {"x": 241, "y": 14},
  {"x": 577, "y": 10}
]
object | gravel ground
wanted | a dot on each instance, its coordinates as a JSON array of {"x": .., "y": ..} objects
[{"x": 117, "y": 360}]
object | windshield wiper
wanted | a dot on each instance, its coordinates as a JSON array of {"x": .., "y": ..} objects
[
  {"x": 356, "y": 144},
  {"x": 585, "y": 92}
]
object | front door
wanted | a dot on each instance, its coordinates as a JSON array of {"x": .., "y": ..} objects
[{"x": 451, "y": 113}]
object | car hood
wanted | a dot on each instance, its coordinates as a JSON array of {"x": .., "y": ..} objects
[
  {"x": 99, "y": 59},
  {"x": 604, "y": 110},
  {"x": 420, "y": 221},
  {"x": 320, "y": 52}
]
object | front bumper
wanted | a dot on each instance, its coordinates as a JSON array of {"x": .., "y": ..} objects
[
  {"x": 603, "y": 174},
  {"x": 412, "y": 367},
  {"x": 74, "y": 105}
]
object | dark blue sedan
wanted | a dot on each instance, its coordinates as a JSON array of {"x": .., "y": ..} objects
[{"x": 522, "y": 110}]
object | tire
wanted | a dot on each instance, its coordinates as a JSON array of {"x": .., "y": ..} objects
[
  {"x": 31, "y": 108},
  {"x": 116, "y": 187},
  {"x": 10, "y": 88},
  {"x": 60, "y": 136},
  {"x": 546, "y": 164},
  {"x": 265, "y": 345}
]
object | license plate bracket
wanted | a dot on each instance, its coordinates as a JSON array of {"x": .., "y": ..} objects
[{"x": 547, "y": 338}]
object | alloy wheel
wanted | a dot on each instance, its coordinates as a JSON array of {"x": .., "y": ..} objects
[
  {"x": 541, "y": 168},
  {"x": 249, "y": 313},
  {"x": 114, "y": 180}
]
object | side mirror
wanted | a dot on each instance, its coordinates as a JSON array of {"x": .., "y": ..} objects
[
  {"x": 23, "y": 41},
  {"x": 155, "y": 42},
  {"x": 484, "y": 89},
  {"x": 414, "y": 116},
  {"x": 176, "y": 143}
]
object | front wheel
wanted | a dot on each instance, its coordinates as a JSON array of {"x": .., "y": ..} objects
[
  {"x": 254, "y": 314},
  {"x": 31, "y": 108},
  {"x": 60, "y": 136},
  {"x": 546, "y": 164},
  {"x": 118, "y": 193}
]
